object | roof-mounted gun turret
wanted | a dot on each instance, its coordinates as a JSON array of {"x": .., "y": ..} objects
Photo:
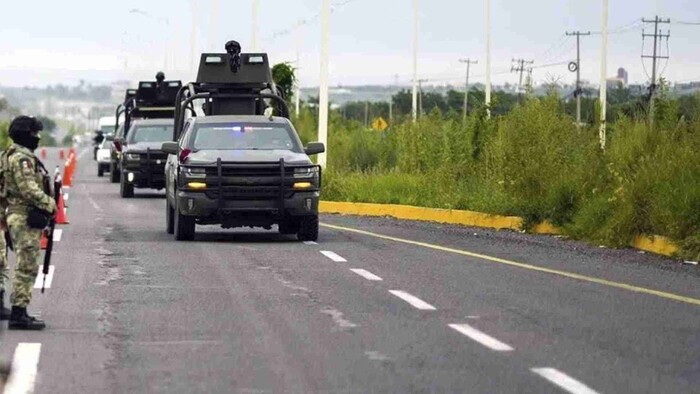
[
  {"x": 231, "y": 83},
  {"x": 152, "y": 100}
]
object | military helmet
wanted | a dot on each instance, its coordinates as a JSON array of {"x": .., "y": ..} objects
[{"x": 23, "y": 125}]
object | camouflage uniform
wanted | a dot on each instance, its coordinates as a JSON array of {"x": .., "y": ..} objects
[
  {"x": 4, "y": 277},
  {"x": 23, "y": 180}
]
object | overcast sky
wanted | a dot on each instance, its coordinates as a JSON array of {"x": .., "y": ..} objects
[{"x": 48, "y": 42}]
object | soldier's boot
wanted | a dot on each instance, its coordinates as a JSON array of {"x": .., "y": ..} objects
[
  {"x": 20, "y": 320},
  {"x": 5, "y": 369},
  {"x": 4, "y": 312}
]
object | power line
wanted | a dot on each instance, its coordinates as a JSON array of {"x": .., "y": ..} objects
[{"x": 307, "y": 21}]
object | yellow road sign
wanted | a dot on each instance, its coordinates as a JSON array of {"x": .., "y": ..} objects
[{"x": 380, "y": 124}]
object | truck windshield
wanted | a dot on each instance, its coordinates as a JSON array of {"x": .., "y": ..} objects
[
  {"x": 245, "y": 137},
  {"x": 151, "y": 133}
]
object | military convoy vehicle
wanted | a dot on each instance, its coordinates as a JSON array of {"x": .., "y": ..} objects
[
  {"x": 236, "y": 159},
  {"x": 148, "y": 122}
]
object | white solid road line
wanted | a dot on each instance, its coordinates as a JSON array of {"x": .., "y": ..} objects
[
  {"x": 310, "y": 243},
  {"x": 484, "y": 339},
  {"x": 564, "y": 381},
  {"x": 40, "y": 279},
  {"x": 24, "y": 367},
  {"x": 333, "y": 256},
  {"x": 65, "y": 197},
  {"x": 57, "y": 234},
  {"x": 365, "y": 274},
  {"x": 413, "y": 300}
]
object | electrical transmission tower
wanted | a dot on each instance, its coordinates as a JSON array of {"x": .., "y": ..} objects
[
  {"x": 520, "y": 66},
  {"x": 468, "y": 62},
  {"x": 655, "y": 56},
  {"x": 577, "y": 68}
]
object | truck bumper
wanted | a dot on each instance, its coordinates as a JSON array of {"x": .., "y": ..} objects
[
  {"x": 143, "y": 180},
  {"x": 199, "y": 205}
]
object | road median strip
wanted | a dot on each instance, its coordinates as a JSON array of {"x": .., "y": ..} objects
[{"x": 653, "y": 244}]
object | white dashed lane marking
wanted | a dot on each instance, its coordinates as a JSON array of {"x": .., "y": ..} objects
[
  {"x": 365, "y": 274},
  {"x": 65, "y": 197},
  {"x": 40, "y": 279},
  {"x": 564, "y": 381},
  {"x": 310, "y": 243},
  {"x": 24, "y": 368},
  {"x": 333, "y": 256},
  {"x": 484, "y": 339},
  {"x": 57, "y": 234},
  {"x": 413, "y": 300}
]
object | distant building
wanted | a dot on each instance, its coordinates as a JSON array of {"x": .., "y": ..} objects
[{"x": 622, "y": 75}]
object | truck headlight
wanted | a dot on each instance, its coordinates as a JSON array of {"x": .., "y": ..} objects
[
  {"x": 305, "y": 172},
  {"x": 195, "y": 172}
]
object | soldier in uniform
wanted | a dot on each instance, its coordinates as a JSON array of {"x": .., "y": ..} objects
[
  {"x": 4, "y": 277},
  {"x": 25, "y": 204}
]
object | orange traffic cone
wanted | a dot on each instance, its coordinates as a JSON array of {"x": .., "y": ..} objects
[
  {"x": 43, "y": 153},
  {"x": 61, "y": 154},
  {"x": 68, "y": 169},
  {"x": 61, "y": 217},
  {"x": 44, "y": 240},
  {"x": 72, "y": 151}
]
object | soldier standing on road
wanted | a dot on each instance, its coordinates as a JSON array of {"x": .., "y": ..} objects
[{"x": 25, "y": 209}]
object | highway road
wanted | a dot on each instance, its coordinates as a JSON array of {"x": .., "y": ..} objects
[{"x": 376, "y": 306}]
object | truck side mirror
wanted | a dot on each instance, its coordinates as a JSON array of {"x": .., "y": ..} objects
[
  {"x": 170, "y": 148},
  {"x": 314, "y": 148}
]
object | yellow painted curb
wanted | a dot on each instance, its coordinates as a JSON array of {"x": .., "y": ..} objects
[
  {"x": 546, "y": 228},
  {"x": 655, "y": 244},
  {"x": 448, "y": 216}
]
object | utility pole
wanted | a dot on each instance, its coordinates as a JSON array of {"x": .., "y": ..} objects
[
  {"x": 658, "y": 36},
  {"x": 603, "y": 76},
  {"x": 323, "y": 89},
  {"x": 391, "y": 110},
  {"x": 420, "y": 96},
  {"x": 519, "y": 66},
  {"x": 214, "y": 22},
  {"x": 414, "y": 106},
  {"x": 297, "y": 93},
  {"x": 468, "y": 62},
  {"x": 487, "y": 93},
  {"x": 254, "y": 33},
  {"x": 367, "y": 114},
  {"x": 577, "y": 92}
]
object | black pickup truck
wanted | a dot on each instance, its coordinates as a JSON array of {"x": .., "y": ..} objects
[
  {"x": 242, "y": 171},
  {"x": 142, "y": 161}
]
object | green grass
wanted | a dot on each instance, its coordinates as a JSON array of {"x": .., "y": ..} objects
[{"x": 532, "y": 162}]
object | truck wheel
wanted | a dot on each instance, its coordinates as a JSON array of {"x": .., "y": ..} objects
[
  {"x": 126, "y": 189},
  {"x": 308, "y": 228},
  {"x": 100, "y": 170},
  {"x": 183, "y": 226},
  {"x": 169, "y": 220},
  {"x": 289, "y": 226},
  {"x": 113, "y": 172}
]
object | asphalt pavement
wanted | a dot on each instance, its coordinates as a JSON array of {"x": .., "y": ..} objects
[{"x": 376, "y": 305}]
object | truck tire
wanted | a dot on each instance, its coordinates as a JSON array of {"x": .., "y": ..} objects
[
  {"x": 100, "y": 170},
  {"x": 184, "y": 226},
  {"x": 169, "y": 220},
  {"x": 113, "y": 172},
  {"x": 289, "y": 226},
  {"x": 126, "y": 189},
  {"x": 308, "y": 228}
]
